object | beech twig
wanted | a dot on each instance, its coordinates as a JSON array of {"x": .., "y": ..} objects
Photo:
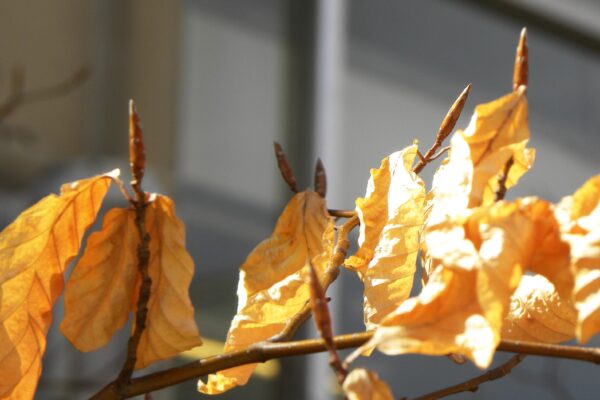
[
  {"x": 445, "y": 129},
  {"x": 137, "y": 160},
  {"x": 341, "y": 213},
  {"x": 472, "y": 385},
  {"x": 18, "y": 95},
  {"x": 265, "y": 351}
]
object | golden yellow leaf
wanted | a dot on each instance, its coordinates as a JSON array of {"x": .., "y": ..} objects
[
  {"x": 478, "y": 262},
  {"x": 170, "y": 326},
  {"x": 99, "y": 294},
  {"x": 468, "y": 177},
  {"x": 538, "y": 314},
  {"x": 273, "y": 284},
  {"x": 104, "y": 286},
  {"x": 362, "y": 384},
  {"x": 391, "y": 217},
  {"x": 35, "y": 250},
  {"x": 498, "y": 131},
  {"x": 579, "y": 217},
  {"x": 445, "y": 318}
]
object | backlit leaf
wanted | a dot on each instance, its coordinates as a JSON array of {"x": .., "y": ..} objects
[
  {"x": 498, "y": 131},
  {"x": 445, "y": 318},
  {"x": 579, "y": 217},
  {"x": 99, "y": 294},
  {"x": 362, "y": 384},
  {"x": 35, "y": 250},
  {"x": 478, "y": 263},
  {"x": 104, "y": 286},
  {"x": 170, "y": 327},
  {"x": 538, "y": 314},
  {"x": 273, "y": 284},
  {"x": 391, "y": 217}
]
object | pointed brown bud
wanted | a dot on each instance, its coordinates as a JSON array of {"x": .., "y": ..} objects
[
  {"x": 137, "y": 154},
  {"x": 453, "y": 115},
  {"x": 521, "y": 69},
  {"x": 284, "y": 168},
  {"x": 320, "y": 179}
]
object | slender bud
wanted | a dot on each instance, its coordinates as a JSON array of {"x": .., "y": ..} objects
[
  {"x": 320, "y": 179},
  {"x": 285, "y": 168},
  {"x": 137, "y": 154},
  {"x": 521, "y": 70}
]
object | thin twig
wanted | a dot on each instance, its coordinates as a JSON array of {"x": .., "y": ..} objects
[
  {"x": 472, "y": 385},
  {"x": 265, "y": 351},
  {"x": 439, "y": 153},
  {"x": 341, "y": 213},
  {"x": 18, "y": 95},
  {"x": 445, "y": 129},
  {"x": 137, "y": 160},
  {"x": 320, "y": 179}
]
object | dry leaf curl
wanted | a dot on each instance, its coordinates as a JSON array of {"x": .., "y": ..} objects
[
  {"x": 391, "y": 217},
  {"x": 362, "y": 384},
  {"x": 273, "y": 284}
]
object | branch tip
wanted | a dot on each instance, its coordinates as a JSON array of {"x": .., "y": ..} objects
[
  {"x": 320, "y": 179},
  {"x": 521, "y": 68},
  {"x": 446, "y": 127},
  {"x": 285, "y": 168}
]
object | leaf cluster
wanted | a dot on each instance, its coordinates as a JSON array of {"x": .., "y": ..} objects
[{"x": 493, "y": 271}]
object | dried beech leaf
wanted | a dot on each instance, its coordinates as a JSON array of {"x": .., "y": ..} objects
[
  {"x": 478, "y": 263},
  {"x": 498, "y": 131},
  {"x": 362, "y": 384},
  {"x": 35, "y": 250},
  {"x": 170, "y": 326},
  {"x": 99, "y": 294},
  {"x": 273, "y": 284},
  {"x": 579, "y": 217},
  {"x": 468, "y": 177},
  {"x": 445, "y": 318},
  {"x": 538, "y": 314},
  {"x": 103, "y": 288},
  {"x": 391, "y": 217}
]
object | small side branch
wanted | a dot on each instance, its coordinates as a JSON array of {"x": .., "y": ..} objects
[
  {"x": 341, "y": 213},
  {"x": 18, "y": 96},
  {"x": 472, "y": 385},
  {"x": 137, "y": 162},
  {"x": 445, "y": 130}
]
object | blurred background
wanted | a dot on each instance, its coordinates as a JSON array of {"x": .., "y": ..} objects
[{"x": 217, "y": 81}]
